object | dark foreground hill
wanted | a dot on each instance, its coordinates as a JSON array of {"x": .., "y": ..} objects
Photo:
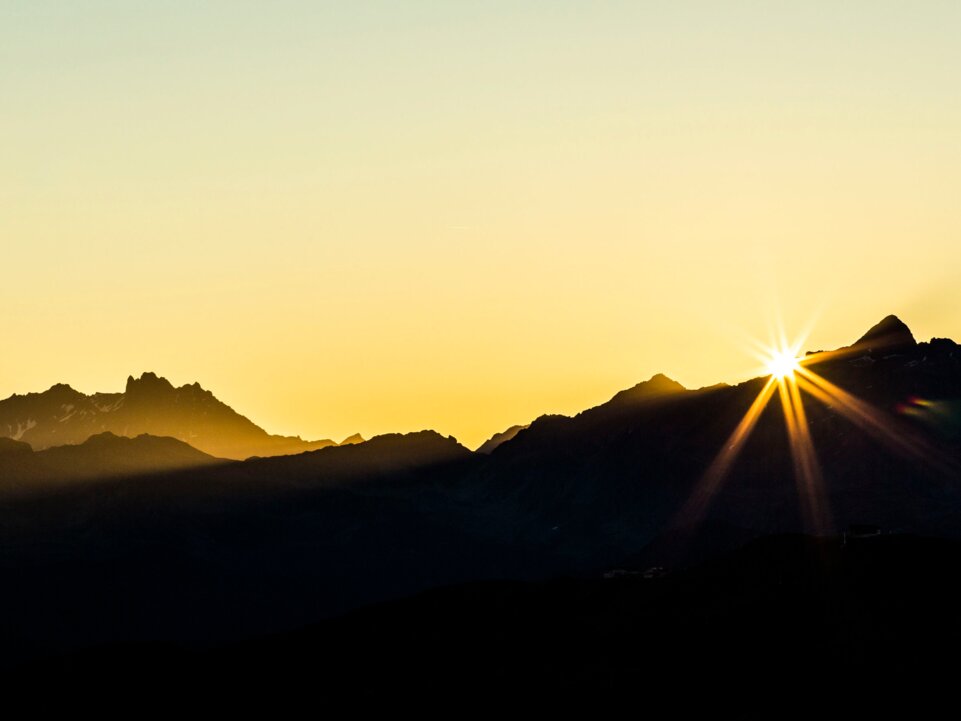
[
  {"x": 232, "y": 549},
  {"x": 207, "y": 555},
  {"x": 149, "y": 405},
  {"x": 786, "y": 623}
]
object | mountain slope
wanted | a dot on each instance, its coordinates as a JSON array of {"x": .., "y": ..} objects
[
  {"x": 890, "y": 334},
  {"x": 102, "y": 456},
  {"x": 488, "y": 446},
  {"x": 622, "y": 474},
  {"x": 148, "y": 405},
  {"x": 658, "y": 386}
]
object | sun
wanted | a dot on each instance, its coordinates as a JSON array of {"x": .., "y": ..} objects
[{"x": 782, "y": 364}]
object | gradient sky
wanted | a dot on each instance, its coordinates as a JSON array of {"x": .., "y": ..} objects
[{"x": 385, "y": 216}]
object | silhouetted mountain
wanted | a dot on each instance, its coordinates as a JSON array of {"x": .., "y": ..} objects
[
  {"x": 9, "y": 446},
  {"x": 351, "y": 440},
  {"x": 622, "y": 472},
  {"x": 495, "y": 440},
  {"x": 269, "y": 544},
  {"x": 659, "y": 385},
  {"x": 149, "y": 404},
  {"x": 388, "y": 456},
  {"x": 102, "y": 456},
  {"x": 890, "y": 335}
]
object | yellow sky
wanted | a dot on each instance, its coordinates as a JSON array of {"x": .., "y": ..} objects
[{"x": 395, "y": 216}]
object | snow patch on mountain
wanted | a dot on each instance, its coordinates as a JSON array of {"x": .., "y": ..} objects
[{"x": 22, "y": 428}]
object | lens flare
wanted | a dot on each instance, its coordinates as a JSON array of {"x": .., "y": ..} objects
[
  {"x": 788, "y": 375},
  {"x": 782, "y": 364}
]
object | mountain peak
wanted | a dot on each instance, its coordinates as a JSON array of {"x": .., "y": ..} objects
[
  {"x": 104, "y": 438},
  {"x": 62, "y": 390},
  {"x": 501, "y": 438},
  {"x": 890, "y": 334},
  {"x": 149, "y": 405},
  {"x": 658, "y": 385},
  {"x": 149, "y": 382}
]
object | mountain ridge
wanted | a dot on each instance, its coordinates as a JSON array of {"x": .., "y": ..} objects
[
  {"x": 100, "y": 457},
  {"x": 498, "y": 439},
  {"x": 268, "y": 544},
  {"x": 149, "y": 405}
]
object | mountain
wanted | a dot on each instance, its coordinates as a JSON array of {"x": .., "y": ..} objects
[
  {"x": 149, "y": 405},
  {"x": 390, "y": 457},
  {"x": 222, "y": 552},
  {"x": 102, "y": 456},
  {"x": 249, "y": 546},
  {"x": 9, "y": 446},
  {"x": 623, "y": 474},
  {"x": 167, "y": 460},
  {"x": 658, "y": 386},
  {"x": 497, "y": 439},
  {"x": 890, "y": 335}
]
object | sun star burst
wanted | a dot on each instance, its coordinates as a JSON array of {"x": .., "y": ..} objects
[
  {"x": 788, "y": 374},
  {"x": 783, "y": 364}
]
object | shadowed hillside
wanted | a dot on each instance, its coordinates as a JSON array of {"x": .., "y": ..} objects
[
  {"x": 24, "y": 471},
  {"x": 746, "y": 630}
]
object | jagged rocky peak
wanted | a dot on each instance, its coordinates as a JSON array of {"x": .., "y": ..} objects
[
  {"x": 148, "y": 383},
  {"x": 351, "y": 440},
  {"x": 890, "y": 335},
  {"x": 149, "y": 405}
]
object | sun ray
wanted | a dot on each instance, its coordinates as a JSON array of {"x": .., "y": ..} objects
[
  {"x": 856, "y": 349},
  {"x": 865, "y": 416},
  {"x": 707, "y": 486},
  {"x": 807, "y": 469},
  {"x": 788, "y": 375}
]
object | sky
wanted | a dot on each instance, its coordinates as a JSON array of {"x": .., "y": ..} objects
[{"x": 383, "y": 216}]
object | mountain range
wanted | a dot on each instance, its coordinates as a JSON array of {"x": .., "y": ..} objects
[
  {"x": 149, "y": 405},
  {"x": 205, "y": 551}
]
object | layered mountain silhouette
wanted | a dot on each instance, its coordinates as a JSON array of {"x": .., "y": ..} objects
[
  {"x": 102, "y": 456},
  {"x": 624, "y": 470},
  {"x": 149, "y": 405},
  {"x": 222, "y": 551},
  {"x": 659, "y": 385},
  {"x": 497, "y": 439}
]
